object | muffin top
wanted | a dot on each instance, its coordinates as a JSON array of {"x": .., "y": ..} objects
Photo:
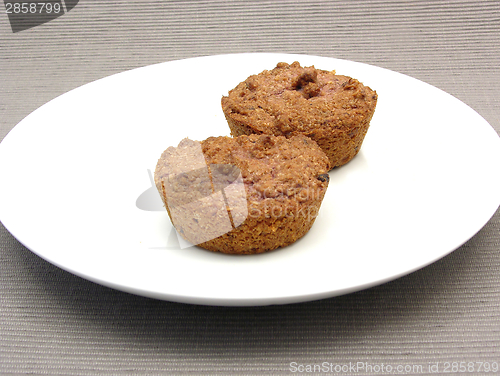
[
  {"x": 291, "y": 98},
  {"x": 272, "y": 168}
]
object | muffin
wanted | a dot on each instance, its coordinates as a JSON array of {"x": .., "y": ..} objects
[
  {"x": 243, "y": 195},
  {"x": 335, "y": 111}
]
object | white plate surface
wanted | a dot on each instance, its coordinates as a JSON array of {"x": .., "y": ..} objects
[{"x": 76, "y": 186}]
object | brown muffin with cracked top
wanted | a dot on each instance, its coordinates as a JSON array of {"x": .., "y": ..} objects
[
  {"x": 243, "y": 195},
  {"x": 335, "y": 111}
]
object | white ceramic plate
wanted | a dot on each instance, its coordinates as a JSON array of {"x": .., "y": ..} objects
[{"x": 76, "y": 186}]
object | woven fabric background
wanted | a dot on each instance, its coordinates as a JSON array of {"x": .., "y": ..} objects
[{"x": 54, "y": 323}]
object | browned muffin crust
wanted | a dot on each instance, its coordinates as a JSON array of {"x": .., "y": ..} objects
[
  {"x": 335, "y": 111},
  {"x": 283, "y": 180}
]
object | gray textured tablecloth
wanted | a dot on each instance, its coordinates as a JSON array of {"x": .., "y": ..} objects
[{"x": 445, "y": 315}]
